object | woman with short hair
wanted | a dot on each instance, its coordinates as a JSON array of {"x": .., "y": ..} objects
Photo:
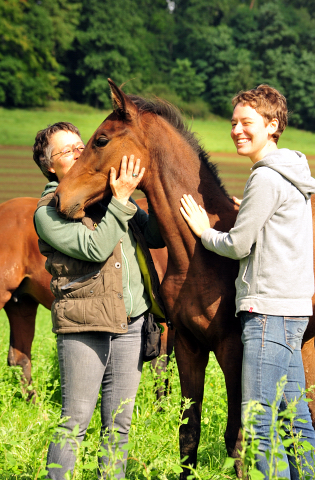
[{"x": 100, "y": 300}]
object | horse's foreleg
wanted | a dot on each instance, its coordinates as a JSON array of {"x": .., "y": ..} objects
[
  {"x": 308, "y": 355},
  {"x": 22, "y": 327},
  {"x": 192, "y": 362},
  {"x": 160, "y": 363},
  {"x": 229, "y": 353}
]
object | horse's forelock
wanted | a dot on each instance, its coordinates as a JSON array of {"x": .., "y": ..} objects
[{"x": 173, "y": 116}]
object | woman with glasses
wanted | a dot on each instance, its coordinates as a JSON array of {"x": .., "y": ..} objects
[{"x": 100, "y": 300}]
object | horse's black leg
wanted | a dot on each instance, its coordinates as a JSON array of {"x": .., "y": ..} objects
[
  {"x": 192, "y": 362},
  {"x": 229, "y": 354},
  {"x": 161, "y": 362},
  {"x": 21, "y": 316}
]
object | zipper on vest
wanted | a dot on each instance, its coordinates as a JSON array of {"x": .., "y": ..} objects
[
  {"x": 128, "y": 278},
  {"x": 81, "y": 279}
]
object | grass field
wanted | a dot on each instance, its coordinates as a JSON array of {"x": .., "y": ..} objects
[
  {"x": 19, "y": 127},
  {"x": 20, "y": 177},
  {"x": 26, "y": 429}
]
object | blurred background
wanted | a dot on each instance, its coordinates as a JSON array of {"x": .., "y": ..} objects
[{"x": 56, "y": 56}]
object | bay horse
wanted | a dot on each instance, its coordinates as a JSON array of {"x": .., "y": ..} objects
[
  {"x": 198, "y": 287},
  {"x": 25, "y": 283}
]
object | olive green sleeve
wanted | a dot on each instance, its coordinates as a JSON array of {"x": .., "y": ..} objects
[{"x": 76, "y": 240}]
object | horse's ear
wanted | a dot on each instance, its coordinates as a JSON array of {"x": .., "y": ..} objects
[{"x": 125, "y": 107}]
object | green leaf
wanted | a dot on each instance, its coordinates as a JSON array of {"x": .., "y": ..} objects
[
  {"x": 75, "y": 431},
  {"x": 256, "y": 475},
  {"x": 91, "y": 430},
  {"x": 42, "y": 473},
  {"x": 282, "y": 465},
  {"x": 103, "y": 452},
  {"x": 219, "y": 411},
  {"x": 278, "y": 455},
  {"x": 307, "y": 447},
  {"x": 228, "y": 463},
  {"x": 11, "y": 460},
  {"x": 128, "y": 446},
  {"x": 89, "y": 466},
  {"x": 62, "y": 443},
  {"x": 176, "y": 469},
  {"x": 86, "y": 443},
  {"x": 54, "y": 465},
  {"x": 287, "y": 442},
  {"x": 68, "y": 475}
]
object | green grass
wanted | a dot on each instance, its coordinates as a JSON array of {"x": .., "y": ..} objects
[
  {"x": 19, "y": 127},
  {"x": 215, "y": 137},
  {"x": 20, "y": 177},
  {"x": 26, "y": 429}
]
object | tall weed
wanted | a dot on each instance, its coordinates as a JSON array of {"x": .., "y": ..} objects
[{"x": 284, "y": 441}]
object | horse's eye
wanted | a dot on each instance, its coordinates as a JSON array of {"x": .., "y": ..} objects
[{"x": 101, "y": 142}]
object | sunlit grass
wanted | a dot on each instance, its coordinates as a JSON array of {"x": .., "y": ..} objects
[
  {"x": 19, "y": 127},
  {"x": 26, "y": 429}
]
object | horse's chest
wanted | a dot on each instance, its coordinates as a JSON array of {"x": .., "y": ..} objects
[{"x": 200, "y": 304}]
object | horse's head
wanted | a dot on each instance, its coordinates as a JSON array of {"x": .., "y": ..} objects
[{"x": 88, "y": 180}]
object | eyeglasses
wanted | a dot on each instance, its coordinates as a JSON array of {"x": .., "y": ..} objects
[{"x": 69, "y": 151}]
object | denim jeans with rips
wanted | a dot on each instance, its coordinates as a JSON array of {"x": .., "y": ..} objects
[
  {"x": 272, "y": 349},
  {"x": 88, "y": 361}
]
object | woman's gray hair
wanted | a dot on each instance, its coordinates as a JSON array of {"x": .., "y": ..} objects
[{"x": 42, "y": 147}]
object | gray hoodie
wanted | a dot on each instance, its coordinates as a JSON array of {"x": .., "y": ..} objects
[{"x": 272, "y": 237}]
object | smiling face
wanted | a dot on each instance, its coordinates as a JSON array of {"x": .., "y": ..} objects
[
  {"x": 251, "y": 134},
  {"x": 64, "y": 153}
]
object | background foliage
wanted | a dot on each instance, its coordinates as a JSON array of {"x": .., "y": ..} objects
[{"x": 196, "y": 53}]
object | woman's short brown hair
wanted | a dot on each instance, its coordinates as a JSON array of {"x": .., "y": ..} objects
[
  {"x": 42, "y": 148},
  {"x": 269, "y": 103}
]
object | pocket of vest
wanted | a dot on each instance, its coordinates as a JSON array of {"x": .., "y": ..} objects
[{"x": 77, "y": 283}]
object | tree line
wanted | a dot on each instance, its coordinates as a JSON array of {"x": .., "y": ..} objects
[{"x": 195, "y": 53}]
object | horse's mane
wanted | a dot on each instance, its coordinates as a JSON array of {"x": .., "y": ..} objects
[{"x": 172, "y": 115}]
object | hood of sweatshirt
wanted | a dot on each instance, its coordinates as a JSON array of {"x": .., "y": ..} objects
[
  {"x": 49, "y": 188},
  {"x": 293, "y": 166}
]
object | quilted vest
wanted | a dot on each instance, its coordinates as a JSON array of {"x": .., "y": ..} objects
[{"x": 89, "y": 295}]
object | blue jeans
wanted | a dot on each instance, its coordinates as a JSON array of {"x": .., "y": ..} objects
[
  {"x": 88, "y": 361},
  {"x": 272, "y": 349}
]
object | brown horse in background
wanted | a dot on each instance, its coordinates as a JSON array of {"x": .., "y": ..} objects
[
  {"x": 198, "y": 288},
  {"x": 24, "y": 282}
]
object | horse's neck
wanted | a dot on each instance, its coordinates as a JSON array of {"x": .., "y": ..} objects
[{"x": 173, "y": 172}]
